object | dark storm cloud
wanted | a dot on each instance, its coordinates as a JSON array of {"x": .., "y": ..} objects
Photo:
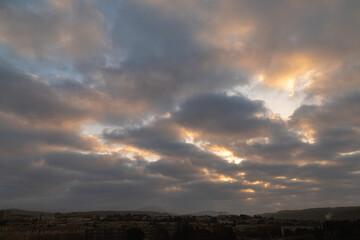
[
  {"x": 333, "y": 141},
  {"x": 164, "y": 138},
  {"x": 341, "y": 110},
  {"x": 66, "y": 168},
  {"x": 312, "y": 182},
  {"x": 334, "y": 125},
  {"x": 22, "y": 177},
  {"x": 184, "y": 170},
  {"x": 159, "y": 137},
  {"x": 24, "y": 140},
  {"x": 317, "y": 174},
  {"x": 352, "y": 162},
  {"x": 235, "y": 120},
  {"x": 221, "y": 115},
  {"x": 99, "y": 180},
  {"x": 58, "y": 101},
  {"x": 93, "y": 180},
  {"x": 37, "y": 116},
  {"x": 274, "y": 151},
  {"x": 32, "y": 98},
  {"x": 163, "y": 59}
]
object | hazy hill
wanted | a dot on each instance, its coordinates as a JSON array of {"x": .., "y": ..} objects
[
  {"x": 209, "y": 213},
  {"x": 151, "y": 209},
  {"x": 25, "y": 212},
  {"x": 105, "y": 213},
  {"x": 337, "y": 213},
  {"x": 100, "y": 213}
]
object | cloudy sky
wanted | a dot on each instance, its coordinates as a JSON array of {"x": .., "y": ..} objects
[{"x": 244, "y": 106}]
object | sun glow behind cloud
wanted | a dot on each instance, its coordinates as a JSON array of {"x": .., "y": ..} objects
[{"x": 224, "y": 153}]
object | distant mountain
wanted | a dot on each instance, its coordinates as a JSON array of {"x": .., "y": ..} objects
[
  {"x": 26, "y": 213},
  {"x": 209, "y": 213},
  {"x": 337, "y": 213},
  {"x": 105, "y": 213},
  {"x": 151, "y": 208},
  {"x": 101, "y": 213}
]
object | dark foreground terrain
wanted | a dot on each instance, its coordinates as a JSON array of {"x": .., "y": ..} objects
[{"x": 21, "y": 225}]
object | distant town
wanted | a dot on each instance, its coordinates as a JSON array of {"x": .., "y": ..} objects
[{"x": 112, "y": 225}]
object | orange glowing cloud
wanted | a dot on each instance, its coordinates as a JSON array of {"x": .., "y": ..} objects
[
  {"x": 248, "y": 190},
  {"x": 223, "y": 153},
  {"x": 215, "y": 177},
  {"x": 131, "y": 152}
]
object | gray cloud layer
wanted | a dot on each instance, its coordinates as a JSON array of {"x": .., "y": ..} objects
[{"x": 160, "y": 80}]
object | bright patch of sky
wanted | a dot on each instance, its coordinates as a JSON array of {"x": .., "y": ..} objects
[{"x": 279, "y": 101}]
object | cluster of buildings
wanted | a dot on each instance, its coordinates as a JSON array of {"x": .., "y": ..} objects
[{"x": 90, "y": 226}]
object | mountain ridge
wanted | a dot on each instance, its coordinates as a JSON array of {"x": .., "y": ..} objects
[
  {"x": 322, "y": 214},
  {"x": 326, "y": 213}
]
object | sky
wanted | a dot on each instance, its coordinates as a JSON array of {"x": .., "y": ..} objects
[{"x": 244, "y": 106}]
